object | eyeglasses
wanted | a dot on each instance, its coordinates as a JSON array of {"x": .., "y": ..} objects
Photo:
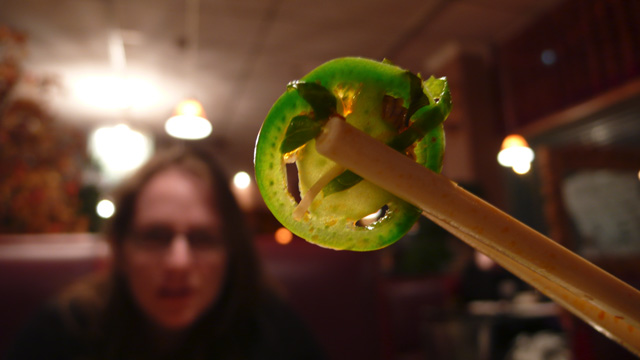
[{"x": 159, "y": 238}]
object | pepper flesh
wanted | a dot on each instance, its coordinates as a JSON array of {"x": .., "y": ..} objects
[{"x": 364, "y": 89}]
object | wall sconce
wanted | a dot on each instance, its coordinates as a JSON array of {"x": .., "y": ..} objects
[
  {"x": 516, "y": 154},
  {"x": 189, "y": 121}
]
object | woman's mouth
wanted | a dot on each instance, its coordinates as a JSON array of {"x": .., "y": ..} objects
[{"x": 174, "y": 293}]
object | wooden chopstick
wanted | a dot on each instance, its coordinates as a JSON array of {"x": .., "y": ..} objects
[{"x": 607, "y": 303}]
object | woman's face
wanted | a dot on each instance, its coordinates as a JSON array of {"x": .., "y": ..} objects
[{"x": 175, "y": 258}]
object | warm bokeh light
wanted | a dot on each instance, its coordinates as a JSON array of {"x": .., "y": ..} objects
[
  {"x": 514, "y": 140},
  {"x": 116, "y": 92},
  {"x": 119, "y": 150},
  {"x": 190, "y": 107},
  {"x": 516, "y": 154},
  {"x": 283, "y": 236},
  {"x": 241, "y": 180},
  {"x": 521, "y": 168},
  {"x": 105, "y": 209},
  {"x": 189, "y": 121}
]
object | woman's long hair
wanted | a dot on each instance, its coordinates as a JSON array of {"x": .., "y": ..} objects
[{"x": 115, "y": 321}]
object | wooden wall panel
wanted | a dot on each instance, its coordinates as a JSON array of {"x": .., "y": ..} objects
[{"x": 596, "y": 44}]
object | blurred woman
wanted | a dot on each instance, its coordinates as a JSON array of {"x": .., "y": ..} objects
[{"x": 185, "y": 282}]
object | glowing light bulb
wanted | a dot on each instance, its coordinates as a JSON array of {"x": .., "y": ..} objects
[
  {"x": 105, "y": 209},
  {"x": 241, "y": 180},
  {"x": 189, "y": 121},
  {"x": 516, "y": 154},
  {"x": 119, "y": 150},
  {"x": 521, "y": 168},
  {"x": 112, "y": 92}
]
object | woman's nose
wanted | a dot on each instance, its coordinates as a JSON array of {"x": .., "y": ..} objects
[{"x": 179, "y": 253}]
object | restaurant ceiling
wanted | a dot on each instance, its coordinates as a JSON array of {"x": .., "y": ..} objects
[{"x": 235, "y": 56}]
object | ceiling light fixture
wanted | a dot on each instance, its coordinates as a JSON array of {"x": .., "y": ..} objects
[
  {"x": 516, "y": 154},
  {"x": 189, "y": 120},
  {"x": 119, "y": 150}
]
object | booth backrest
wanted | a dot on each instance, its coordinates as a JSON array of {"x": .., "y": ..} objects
[
  {"x": 334, "y": 292},
  {"x": 34, "y": 267}
]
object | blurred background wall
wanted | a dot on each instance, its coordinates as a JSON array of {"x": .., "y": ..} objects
[{"x": 563, "y": 74}]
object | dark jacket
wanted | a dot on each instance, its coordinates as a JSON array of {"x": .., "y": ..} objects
[{"x": 57, "y": 333}]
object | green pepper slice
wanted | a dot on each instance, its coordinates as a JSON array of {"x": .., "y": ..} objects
[{"x": 384, "y": 100}]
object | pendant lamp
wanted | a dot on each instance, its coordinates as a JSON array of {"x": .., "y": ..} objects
[
  {"x": 188, "y": 121},
  {"x": 516, "y": 154}
]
